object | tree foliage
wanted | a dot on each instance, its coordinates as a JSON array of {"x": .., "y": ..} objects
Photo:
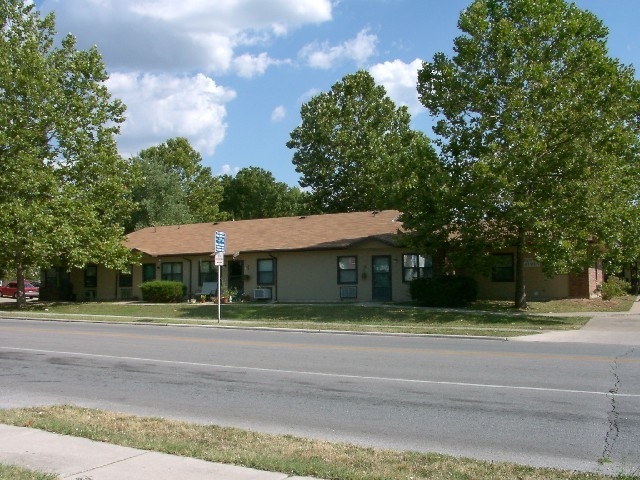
[
  {"x": 350, "y": 146},
  {"x": 64, "y": 192},
  {"x": 174, "y": 188},
  {"x": 538, "y": 128},
  {"x": 255, "y": 193}
]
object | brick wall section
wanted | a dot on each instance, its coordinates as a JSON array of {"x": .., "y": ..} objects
[{"x": 585, "y": 284}]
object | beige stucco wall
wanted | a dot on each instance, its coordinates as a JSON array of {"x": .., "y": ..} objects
[
  {"x": 313, "y": 276},
  {"x": 537, "y": 285},
  {"x": 106, "y": 288},
  {"x": 300, "y": 276}
]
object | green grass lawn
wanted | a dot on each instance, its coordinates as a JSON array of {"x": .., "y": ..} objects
[
  {"x": 277, "y": 453},
  {"x": 483, "y": 318},
  {"x": 11, "y": 472}
]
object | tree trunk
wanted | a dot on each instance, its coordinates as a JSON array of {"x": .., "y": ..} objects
[
  {"x": 20, "y": 298},
  {"x": 521, "y": 291}
]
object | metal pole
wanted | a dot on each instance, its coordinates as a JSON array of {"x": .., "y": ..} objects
[{"x": 219, "y": 278}]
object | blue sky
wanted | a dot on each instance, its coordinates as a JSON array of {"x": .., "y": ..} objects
[{"x": 231, "y": 75}]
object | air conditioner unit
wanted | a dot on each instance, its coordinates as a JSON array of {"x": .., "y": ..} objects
[
  {"x": 262, "y": 293},
  {"x": 126, "y": 293},
  {"x": 349, "y": 292},
  {"x": 89, "y": 295}
]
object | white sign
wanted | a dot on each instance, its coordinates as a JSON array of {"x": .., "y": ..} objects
[{"x": 219, "y": 259}]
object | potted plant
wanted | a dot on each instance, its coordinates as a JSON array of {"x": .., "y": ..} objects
[{"x": 228, "y": 294}]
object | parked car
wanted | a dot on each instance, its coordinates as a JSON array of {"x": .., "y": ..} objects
[{"x": 11, "y": 290}]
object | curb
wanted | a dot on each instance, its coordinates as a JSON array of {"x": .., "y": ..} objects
[{"x": 265, "y": 329}]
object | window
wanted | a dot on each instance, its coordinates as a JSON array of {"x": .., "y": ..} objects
[
  {"x": 347, "y": 269},
  {"x": 416, "y": 266},
  {"x": 266, "y": 271},
  {"x": 502, "y": 270},
  {"x": 91, "y": 276},
  {"x": 207, "y": 273},
  {"x": 125, "y": 278},
  {"x": 172, "y": 271},
  {"x": 148, "y": 272},
  {"x": 51, "y": 277}
]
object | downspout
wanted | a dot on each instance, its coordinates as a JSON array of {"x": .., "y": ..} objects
[
  {"x": 275, "y": 277},
  {"x": 189, "y": 292}
]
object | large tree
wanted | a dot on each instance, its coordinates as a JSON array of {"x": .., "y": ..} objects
[
  {"x": 350, "y": 146},
  {"x": 538, "y": 128},
  {"x": 64, "y": 192},
  {"x": 175, "y": 187},
  {"x": 255, "y": 193}
]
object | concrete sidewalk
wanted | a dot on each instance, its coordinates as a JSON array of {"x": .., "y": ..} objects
[
  {"x": 613, "y": 328},
  {"x": 76, "y": 458}
]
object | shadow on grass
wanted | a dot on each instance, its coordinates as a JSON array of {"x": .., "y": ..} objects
[{"x": 372, "y": 315}]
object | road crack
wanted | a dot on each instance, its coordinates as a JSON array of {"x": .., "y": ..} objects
[{"x": 613, "y": 416}]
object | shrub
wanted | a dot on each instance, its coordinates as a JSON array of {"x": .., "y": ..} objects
[
  {"x": 162, "y": 291},
  {"x": 614, "y": 287},
  {"x": 445, "y": 291}
]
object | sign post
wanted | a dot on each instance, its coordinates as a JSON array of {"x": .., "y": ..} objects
[{"x": 220, "y": 247}]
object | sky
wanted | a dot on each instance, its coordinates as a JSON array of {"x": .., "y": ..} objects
[{"x": 232, "y": 75}]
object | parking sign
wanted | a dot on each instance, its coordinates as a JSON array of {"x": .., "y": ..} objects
[{"x": 220, "y": 242}]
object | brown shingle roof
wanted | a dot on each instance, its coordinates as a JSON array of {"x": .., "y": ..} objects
[{"x": 330, "y": 231}]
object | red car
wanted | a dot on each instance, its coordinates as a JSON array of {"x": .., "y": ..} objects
[{"x": 11, "y": 290}]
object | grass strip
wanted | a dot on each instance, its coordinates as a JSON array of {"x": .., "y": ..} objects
[
  {"x": 11, "y": 472},
  {"x": 277, "y": 453},
  {"x": 351, "y": 317}
]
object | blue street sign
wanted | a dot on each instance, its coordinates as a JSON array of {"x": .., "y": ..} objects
[{"x": 220, "y": 242}]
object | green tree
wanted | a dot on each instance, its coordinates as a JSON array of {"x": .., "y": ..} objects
[
  {"x": 538, "y": 129},
  {"x": 64, "y": 190},
  {"x": 350, "y": 146},
  {"x": 175, "y": 188},
  {"x": 255, "y": 193}
]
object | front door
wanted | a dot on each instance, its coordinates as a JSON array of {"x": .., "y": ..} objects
[
  {"x": 236, "y": 276},
  {"x": 381, "y": 278}
]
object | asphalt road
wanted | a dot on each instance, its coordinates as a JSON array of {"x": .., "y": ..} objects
[{"x": 545, "y": 404}]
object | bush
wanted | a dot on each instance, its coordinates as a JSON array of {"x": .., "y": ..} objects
[
  {"x": 614, "y": 287},
  {"x": 445, "y": 291},
  {"x": 162, "y": 291}
]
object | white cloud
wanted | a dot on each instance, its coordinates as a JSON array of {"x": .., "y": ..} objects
[
  {"x": 324, "y": 56},
  {"x": 249, "y": 66},
  {"x": 234, "y": 15},
  {"x": 308, "y": 95},
  {"x": 227, "y": 169},
  {"x": 278, "y": 114},
  {"x": 189, "y": 35},
  {"x": 165, "y": 106},
  {"x": 400, "y": 80}
]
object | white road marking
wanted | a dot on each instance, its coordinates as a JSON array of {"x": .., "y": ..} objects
[{"x": 330, "y": 375}]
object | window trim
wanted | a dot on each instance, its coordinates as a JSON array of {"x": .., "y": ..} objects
[
  {"x": 208, "y": 276},
  {"x": 498, "y": 271},
  {"x": 126, "y": 279},
  {"x": 91, "y": 280},
  {"x": 261, "y": 272},
  {"x": 425, "y": 271},
  {"x": 340, "y": 271},
  {"x": 172, "y": 276}
]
